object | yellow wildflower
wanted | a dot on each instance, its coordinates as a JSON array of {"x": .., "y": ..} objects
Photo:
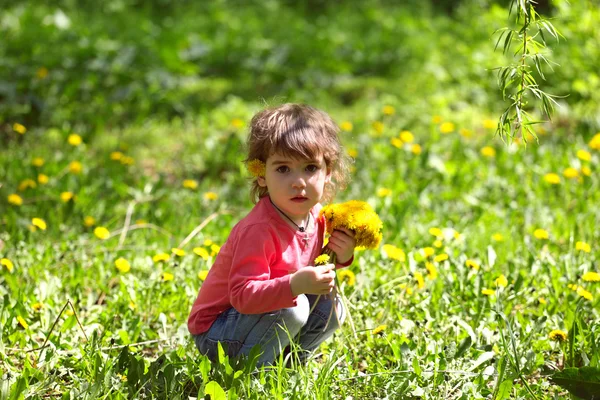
[
  {"x": 466, "y": 133},
  {"x": 595, "y": 142},
  {"x": 407, "y": 136},
  {"x": 26, "y": 184},
  {"x": 237, "y": 123},
  {"x": 346, "y": 126},
  {"x": 498, "y": 237},
  {"x": 8, "y": 264},
  {"x": 488, "y": 151},
  {"x": 378, "y": 127},
  {"x": 166, "y": 276},
  {"x": 37, "y": 306},
  {"x": 489, "y": 124},
  {"x": 322, "y": 259},
  {"x": 202, "y": 252},
  {"x": 447, "y": 127},
  {"x": 15, "y": 199},
  {"x": 66, "y": 196},
  {"x": 427, "y": 252},
  {"x": 22, "y": 322},
  {"x": 126, "y": 160},
  {"x": 416, "y": 149},
  {"x": 457, "y": 235},
  {"x": 89, "y": 221},
  {"x": 208, "y": 242},
  {"x": 388, "y": 110},
  {"x": 440, "y": 257},
  {"x": 383, "y": 192},
  {"x": 69, "y": 312},
  {"x": 256, "y": 168},
  {"x": 74, "y": 139},
  {"x": 141, "y": 222},
  {"x": 585, "y": 170},
  {"x": 161, "y": 257},
  {"x": 437, "y": 243},
  {"x": 211, "y": 196},
  {"x": 541, "y": 234},
  {"x": 122, "y": 265},
  {"x": 178, "y": 252},
  {"x": 37, "y": 161},
  {"x": 558, "y": 335},
  {"x": 202, "y": 275},
  {"x": 17, "y": 127},
  {"x": 190, "y": 184},
  {"x": 584, "y": 293},
  {"x": 436, "y": 119},
  {"x": 472, "y": 264},
  {"x": 437, "y": 232},
  {"x": 345, "y": 275},
  {"x": 43, "y": 179},
  {"x": 42, "y": 72},
  {"x": 552, "y": 178},
  {"x": 420, "y": 280},
  {"x": 591, "y": 277},
  {"x": 75, "y": 167},
  {"x": 501, "y": 281},
  {"x": 583, "y": 246},
  {"x": 488, "y": 292},
  {"x": 357, "y": 216},
  {"x": 571, "y": 173},
  {"x": 542, "y": 300},
  {"x": 584, "y": 155},
  {"x": 396, "y": 142},
  {"x": 394, "y": 252},
  {"x": 38, "y": 222},
  {"x": 214, "y": 249},
  {"x": 101, "y": 233},
  {"x": 432, "y": 271},
  {"x": 379, "y": 329},
  {"x": 116, "y": 155},
  {"x": 352, "y": 152}
]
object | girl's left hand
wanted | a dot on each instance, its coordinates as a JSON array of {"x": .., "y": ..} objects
[{"x": 342, "y": 242}]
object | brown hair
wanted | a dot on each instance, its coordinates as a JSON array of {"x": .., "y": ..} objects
[{"x": 298, "y": 131}]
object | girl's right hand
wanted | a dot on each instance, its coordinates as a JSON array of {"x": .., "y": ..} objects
[{"x": 313, "y": 280}]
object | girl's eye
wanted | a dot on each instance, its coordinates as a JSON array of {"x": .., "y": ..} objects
[
  {"x": 312, "y": 168},
  {"x": 283, "y": 169}
]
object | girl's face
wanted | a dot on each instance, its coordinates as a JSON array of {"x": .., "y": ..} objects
[{"x": 295, "y": 185}]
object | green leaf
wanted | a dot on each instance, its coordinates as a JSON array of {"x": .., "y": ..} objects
[
  {"x": 416, "y": 366},
  {"x": 464, "y": 346},
  {"x": 504, "y": 390},
  {"x": 215, "y": 391},
  {"x": 583, "y": 382}
]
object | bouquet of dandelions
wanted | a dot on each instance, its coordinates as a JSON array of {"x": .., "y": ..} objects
[{"x": 358, "y": 217}]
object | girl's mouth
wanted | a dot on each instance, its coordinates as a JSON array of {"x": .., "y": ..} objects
[{"x": 299, "y": 199}]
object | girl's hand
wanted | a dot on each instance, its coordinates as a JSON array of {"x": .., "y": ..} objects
[
  {"x": 342, "y": 242},
  {"x": 313, "y": 280}
]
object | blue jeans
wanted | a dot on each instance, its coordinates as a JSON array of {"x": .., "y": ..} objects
[{"x": 272, "y": 331}]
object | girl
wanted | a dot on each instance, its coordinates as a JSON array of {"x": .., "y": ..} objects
[{"x": 262, "y": 288}]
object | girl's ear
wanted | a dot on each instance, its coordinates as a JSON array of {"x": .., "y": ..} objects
[
  {"x": 262, "y": 182},
  {"x": 328, "y": 176}
]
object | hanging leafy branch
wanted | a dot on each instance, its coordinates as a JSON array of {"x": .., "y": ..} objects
[{"x": 516, "y": 80}]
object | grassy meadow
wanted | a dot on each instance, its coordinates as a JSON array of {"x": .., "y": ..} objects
[{"x": 121, "y": 176}]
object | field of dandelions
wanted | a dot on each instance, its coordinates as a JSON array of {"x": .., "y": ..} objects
[{"x": 486, "y": 284}]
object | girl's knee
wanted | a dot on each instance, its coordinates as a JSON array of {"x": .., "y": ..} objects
[{"x": 295, "y": 318}]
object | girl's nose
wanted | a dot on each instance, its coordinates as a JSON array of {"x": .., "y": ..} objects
[{"x": 299, "y": 182}]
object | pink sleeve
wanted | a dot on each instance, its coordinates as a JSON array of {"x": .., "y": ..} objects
[{"x": 251, "y": 289}]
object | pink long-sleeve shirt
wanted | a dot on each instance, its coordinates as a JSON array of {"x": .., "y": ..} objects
[{"x": 253, "y": 269}]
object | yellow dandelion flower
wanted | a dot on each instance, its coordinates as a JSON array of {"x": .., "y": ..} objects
[
  {"x": 440, "y": 257},
  {"x": 75, "y": 167},
  {"x": 208, "y": 242},
  {"x": 15, "y": 199},
  {"x": 122, "y": 265},
  {"x": 466, "y": 133},
  {"x": 345, "y": 275},
  {"x": 357, "y": 216},
  {"x": 558, "y": 335},
  {"x": 43, "y": 179},
  {"x": 572, "y": 286},
  {"x": 237, "y": 123},
  {"x": 438, "y": 244},
  {"x": 346, "y": 126},
  {"x": 178, "y": 252},
  {"x": 37, "y": 161},
  {"x": 74, "y": 139},
  {"x": 322, "y": 259},
  {"x": 488, "y": 151},
  {"x": 394, "y": 252},
  {"x": 190, "y": 184},
  {"x": 409, "y": 291},
  {"x": 497, "y": 237},
  {"x": 202, "y": 275},
  {"x": 42, "y": 72},
  {"x": 427, "y": 252},
  {"x": 432, "y": 272},
  {"x": 8, "y": 264},
  {"x": 584, "y": 155},
  {"x": 69, "y": 312},
  {"x": 384, "y": 192},
  {"x": 447, "y": 127},
  {"x": 37, "y": 306},
  {"x": 552, "y": 178},
  {"x": 166, "y": 276},
  {"x": 132, "y": 305},
  {"x": 32, "y": 228},
  {"x": 39, "y": 223},
  {"x": 22, "y": 322},
  {"x": 352, "y": 152},
  {"x": 583, "y": 246},
  {"x": 202, "y": 252},
  {"x": 472, "y": 264},
  {"x": 214, "y": 249},
  {"x": 457, "y": 235},
  {"x": 436, "y": 119},
  {"x": 541, "y": 234},
  {"x": 388, "y": 110},
  {"x": 396, "y": 142},
  {"x": 256, "y": 168},
  {"x": 489, "y": 124},
  {"x": 379, "y": 329},
  {"x": 595, "y": 142},
  {"x": 26, "y": 184},
  {"x": 437, "y": 232},
  {"x": 89, "y": 221},
  {"x": 101, "y": 233},
  {"x": 407, "y": 136},
  {"x": 161, "y": 257},
  {"x": 378, "y": 127},
  {"x": 211, "y": 196},
  {"x": 140, "y": 222},
  {"x": 127, "y": 160},
  {"x": 542, "y": 300},
  {"x": 584, "y": 293},
  {"x": 591, "y": 276},
  {"x": 17, "y": 127},
  {"x": 501, "y": 281},
  {"x": 66, "y": 196},
  {"x": 488, "y": 292},
  {"x": 116, "y": 156},
  {"x": 416, "y": 149},
  {"x": 571, "y": 173},
  {"x": 420, "y": 280},
  {"x": 585, "y": 170}
]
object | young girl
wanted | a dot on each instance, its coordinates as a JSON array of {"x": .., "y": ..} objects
[{"x": 263, "y": 285}]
